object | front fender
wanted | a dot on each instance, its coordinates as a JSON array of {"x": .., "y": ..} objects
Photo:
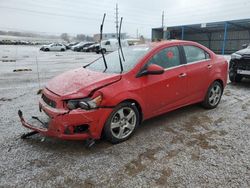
[{"x": 119, "y": 98}]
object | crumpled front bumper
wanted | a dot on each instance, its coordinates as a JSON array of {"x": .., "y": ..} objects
[
  {"x": 53, "y": 129},
  {"x": 64, "y": 124}
]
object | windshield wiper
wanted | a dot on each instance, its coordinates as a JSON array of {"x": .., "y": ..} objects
[
  {"x": 103, "y": 56},
  {"x": 120, "y": 47},
  {"x": 119, "y": 39}
]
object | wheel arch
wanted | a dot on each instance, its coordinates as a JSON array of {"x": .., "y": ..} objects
[
  {"x": 129, "y": 100},
  {"x": 221, "y": 82},
  {"x": 214, "y": 80},
  {"x": 138, "y": 106}
]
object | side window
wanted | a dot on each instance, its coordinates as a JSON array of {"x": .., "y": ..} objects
[
  {"x": 195, "y": 54},
  {"x": 107, "y": 43},
  {"x": 207, "y": 55},
  {"x": 166, "y": 58}
]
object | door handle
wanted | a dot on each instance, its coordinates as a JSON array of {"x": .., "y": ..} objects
[
  {"x": 182, "y": 75},
  {"x": 209, "y": 66}
]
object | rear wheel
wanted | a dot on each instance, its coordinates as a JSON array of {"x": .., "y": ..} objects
[
  {"x": 213, "y": 95},
  {"x": 46, "y": 49},
  {"x": 62, "y": 49},
  {"x": 121, "y": 123}
]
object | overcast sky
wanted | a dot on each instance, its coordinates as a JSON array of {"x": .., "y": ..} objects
[{"x": 84, "y": 16}]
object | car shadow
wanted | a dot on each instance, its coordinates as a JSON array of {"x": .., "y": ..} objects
[
  {"x": 66, "y": 146},
  {"x": 169, "y": 117}
]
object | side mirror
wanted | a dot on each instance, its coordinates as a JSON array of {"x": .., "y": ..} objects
[
  {"x": 244, "y": 46},
  {"x": 152, "y": 69}
]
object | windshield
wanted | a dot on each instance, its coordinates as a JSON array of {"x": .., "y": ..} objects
[{"x": 132, "y": 56}]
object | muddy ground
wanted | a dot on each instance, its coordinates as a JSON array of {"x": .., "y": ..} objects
[{"x": 190, "y": 147}]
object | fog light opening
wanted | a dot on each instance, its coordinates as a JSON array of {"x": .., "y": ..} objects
[{"x": 81, "y": 128}]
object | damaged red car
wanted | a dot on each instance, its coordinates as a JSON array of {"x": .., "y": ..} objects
[{"x": 110, "y": 99}]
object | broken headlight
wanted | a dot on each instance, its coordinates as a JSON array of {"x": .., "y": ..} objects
[
  {"x": 86, "y": 103},
  {"x": 236, "y": 56}
]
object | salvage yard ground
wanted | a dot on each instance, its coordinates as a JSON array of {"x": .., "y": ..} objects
[{"x": 190, "y": 147}]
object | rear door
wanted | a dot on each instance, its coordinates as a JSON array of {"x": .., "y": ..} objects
[
  {"x": 199, "y": 66},
  {"x": 165, "y": 91}
]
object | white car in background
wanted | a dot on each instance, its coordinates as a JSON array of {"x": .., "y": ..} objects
[
  {"x": 53, "y": 47},
  {"x": 111, "y": 45}
]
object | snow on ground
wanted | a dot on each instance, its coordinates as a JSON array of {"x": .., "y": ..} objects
[{"x": 190, "y": 147}]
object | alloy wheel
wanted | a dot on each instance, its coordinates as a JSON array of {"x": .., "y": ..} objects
[
  {"x": 123, "y": 122},
  {"x": 215, "y": 95}
]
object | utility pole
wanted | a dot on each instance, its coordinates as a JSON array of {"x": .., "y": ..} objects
[
  {"x": 116, "y": 19},
  {"x": 162, "y": 20},
  {"x": 137, "y": 33}
]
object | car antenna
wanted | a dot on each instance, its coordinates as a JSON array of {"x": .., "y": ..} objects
[{"x": 103, "y": 56}]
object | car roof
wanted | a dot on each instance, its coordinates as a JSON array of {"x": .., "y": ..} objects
[
  {"x": 172, "y": 42},
  {"x": 154, "y": 45}
]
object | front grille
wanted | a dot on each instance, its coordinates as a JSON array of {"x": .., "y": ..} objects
[{"x": 49, "y": 101}]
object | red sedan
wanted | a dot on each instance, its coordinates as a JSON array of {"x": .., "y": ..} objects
[{"x": 101, "y": 99}]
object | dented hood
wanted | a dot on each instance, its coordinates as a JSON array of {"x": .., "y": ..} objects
[{"x": 80, "y": 82}]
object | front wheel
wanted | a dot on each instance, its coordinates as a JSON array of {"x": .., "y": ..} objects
[
  {"x": 213, "y": 95},
  {"x": 233, "y": 76},
  {"x": 121, "y": 123}
]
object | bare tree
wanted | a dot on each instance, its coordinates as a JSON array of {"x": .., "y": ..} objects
[
  {"x": 65, "y": 37},
  {"x": 80, "y": 37}
]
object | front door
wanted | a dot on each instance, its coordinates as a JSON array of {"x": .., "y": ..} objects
[{"x": 164, "y": 92}]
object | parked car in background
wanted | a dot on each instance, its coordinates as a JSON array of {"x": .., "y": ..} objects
[
  {"x": 92, "y": 48},
  {"x": 132, "y": 42},
  {"x": 97, "y": 101},
  {"x": 111, "y": 45},
  {"x": 239, "y": 65},
  {"x": 68, "y": 46},
  {"x": 53, "y": 47},
  {"x": 79, "y": 47}
]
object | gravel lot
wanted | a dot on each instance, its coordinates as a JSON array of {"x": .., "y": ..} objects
[{"x": 190, "y": 147}]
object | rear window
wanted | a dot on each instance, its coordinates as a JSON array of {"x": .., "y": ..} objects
[{"x": 194, "y": 54}]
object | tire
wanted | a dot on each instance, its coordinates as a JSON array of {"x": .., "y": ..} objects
[
  {"x": 46, "y": 49},
  {"x": 234, "y": 77},
  {"x": 213, "y": 95},
  {"x": 62, "y": 49},
  {"x": 120, "y": 126},
  {"x": 104, "y": 50}
]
